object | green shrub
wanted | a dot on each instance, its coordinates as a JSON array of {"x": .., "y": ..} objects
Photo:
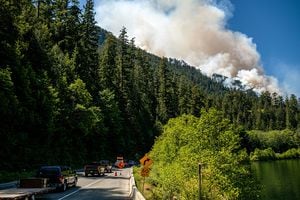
[
  {"x": 290, "y": 154},
  {"x": 212, "y": 140},
  {"x": 265, "y": 154},
  {"x": 269, "y": 154}
]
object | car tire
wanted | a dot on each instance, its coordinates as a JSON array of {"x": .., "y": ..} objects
[
  {"x": 64, "y": 186},
  {"x": 75, "y": 182}
]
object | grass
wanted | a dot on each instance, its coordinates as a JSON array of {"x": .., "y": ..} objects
[{"x": 139, "y": 180}]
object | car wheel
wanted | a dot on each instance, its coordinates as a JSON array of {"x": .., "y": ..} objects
[
  {"x": 99, "y": 171},
  {"x": 64, "y": 187},
  {"x": 75, "y": 182}
]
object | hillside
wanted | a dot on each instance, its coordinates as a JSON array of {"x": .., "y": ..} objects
[{"x": 72, "y": 92}]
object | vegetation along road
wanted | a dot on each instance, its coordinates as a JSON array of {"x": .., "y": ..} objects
[{"x": 108, "y": 187}]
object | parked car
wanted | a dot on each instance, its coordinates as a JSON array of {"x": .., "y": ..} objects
[
  {"x": 94, "y": 168},
  {"x": 60, "y": 177},
  {"x": 107, "y": 165}
]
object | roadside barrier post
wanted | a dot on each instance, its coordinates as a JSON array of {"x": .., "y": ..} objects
[{"x": 200, "y": 180}]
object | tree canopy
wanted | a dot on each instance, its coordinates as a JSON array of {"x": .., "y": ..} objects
[{"x": 210, "y": 140}]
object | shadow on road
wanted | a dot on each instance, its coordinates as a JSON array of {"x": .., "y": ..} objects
[
  {"x": 102, "y": 193},
  {"x": 117, "y": 177},
  {"x": 112, "y": 193}
]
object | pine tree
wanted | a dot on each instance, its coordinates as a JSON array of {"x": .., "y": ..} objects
[
  {"x": 292, "y": 112},
  {"x": 59, "y": 24},
  {"x": 73, "y": 24},
  {"x": 162, "y": 95},
  {"x": 123, "y": 63},
  {"x": 196, "y": 101},
  {"x": 279, "y": 112},
  {"x": 107, "y": 68},
  {"x": 183, "y": 91},
  {"x": 88, "y": 61}
]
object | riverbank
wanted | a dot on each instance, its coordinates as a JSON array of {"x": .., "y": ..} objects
[{"x": 269, "y": 154}]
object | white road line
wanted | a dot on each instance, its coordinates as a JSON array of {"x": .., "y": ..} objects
[{"x": 86, "y": 186}]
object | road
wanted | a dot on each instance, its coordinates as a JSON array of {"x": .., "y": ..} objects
[{"x": 108, "y": 187}]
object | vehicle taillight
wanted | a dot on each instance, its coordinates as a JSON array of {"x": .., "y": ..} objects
[{"x": 61, "y": 179}]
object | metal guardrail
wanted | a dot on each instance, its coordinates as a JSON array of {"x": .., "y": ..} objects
[
  {"x": 134, "y": 192},
  {"x": 8, "y": 185}
]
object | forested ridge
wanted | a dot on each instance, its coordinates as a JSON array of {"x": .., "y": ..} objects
[{"x": 72, "y": 92}]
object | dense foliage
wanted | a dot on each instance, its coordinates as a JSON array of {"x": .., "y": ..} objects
[
  {"x": 269, "y": 154},
  {"x": 71, "y": 92},
  {"x": 211, "y": 140},
  {"x": 273, "y": 145},
  {"x": 279, "y": 141}
]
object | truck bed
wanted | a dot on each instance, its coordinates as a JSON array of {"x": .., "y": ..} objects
[
  {"x": 28, "y": 188},
  {"x": 22, "y": 193}
]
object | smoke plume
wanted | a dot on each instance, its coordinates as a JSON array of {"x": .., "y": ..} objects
[{"x": 192, "y": 30}]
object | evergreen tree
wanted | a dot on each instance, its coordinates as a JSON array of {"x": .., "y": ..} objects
[
  {"x": 292, "y": 112},
  {"x": 123, "y": 63},
  {"x": 107, "y": 68},
  {"x": 196, "y": 101},
  {"x": 279, "y": 112},
  {"x": 73, "y": 29},
  {"x": 162, "y": 109},
  {"x": 87, "y": 64},
  {"x": 184, "y": 96},
  {"x": 59, "y": 23}
]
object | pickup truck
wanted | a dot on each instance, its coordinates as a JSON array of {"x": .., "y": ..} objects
[
  {"x": 48, "y": 179},
  {"x": 60, "y": 177},
  {"x": 107, "y": 165},
  {"x": 94, "y": 168}
]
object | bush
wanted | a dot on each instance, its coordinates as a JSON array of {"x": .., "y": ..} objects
[
  {"x": 290, "y": 154},
  {"x": 265, "y": 154},
  {"x": 212, "y": 140},
  {"x": 269, "y": 154}
]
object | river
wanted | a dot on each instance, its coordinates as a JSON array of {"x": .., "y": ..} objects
[{"x": 280, "y": 179}]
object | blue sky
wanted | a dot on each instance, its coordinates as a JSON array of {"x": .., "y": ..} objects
[{"x": 273, "y": 25}]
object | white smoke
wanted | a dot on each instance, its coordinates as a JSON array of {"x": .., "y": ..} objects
[{"x": 191, "y": 30}]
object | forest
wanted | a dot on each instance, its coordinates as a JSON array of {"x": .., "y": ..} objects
[{"x": 72, "y": 92}]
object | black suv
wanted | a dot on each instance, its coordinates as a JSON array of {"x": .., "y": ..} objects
[{"x": 60, "y": 177}]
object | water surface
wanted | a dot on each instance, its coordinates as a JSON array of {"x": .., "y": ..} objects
[{"x": 280, "y": 179}]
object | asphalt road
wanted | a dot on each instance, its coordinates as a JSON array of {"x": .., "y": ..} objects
[{"x": 112, "y": 186}]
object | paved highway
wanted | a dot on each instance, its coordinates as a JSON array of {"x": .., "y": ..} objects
[{"x": 108, "y": 187}]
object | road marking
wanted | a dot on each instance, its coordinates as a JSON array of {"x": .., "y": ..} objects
[{"x": 86, "y": 186}]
